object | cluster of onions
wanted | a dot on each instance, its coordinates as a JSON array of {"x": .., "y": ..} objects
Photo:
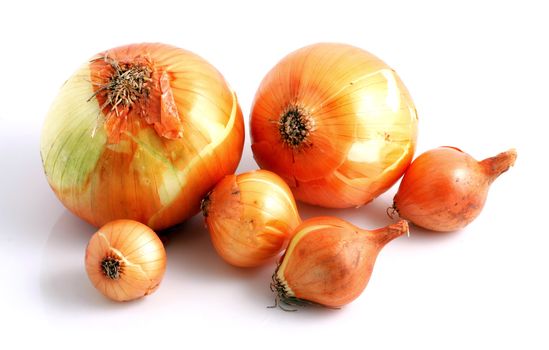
[
  {"x": 328, "y": 261},
  {"x": 142, "y": 136},
  {"x": 141, "y": 132},
  {"x": 337, "y": 124}
]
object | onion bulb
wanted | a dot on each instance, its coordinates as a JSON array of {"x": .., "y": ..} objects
[
  {"x": 336, "y": 123},
  {"x": 141, "y": 132},
  {"x": 329, "y": 261},
  {"x": 250, "y": 217},
  {"x": 445, "y": 189},
  {"x": 125, "y": 260}
]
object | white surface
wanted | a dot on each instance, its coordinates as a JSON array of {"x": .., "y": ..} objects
[{"x": 478, "y": 75}]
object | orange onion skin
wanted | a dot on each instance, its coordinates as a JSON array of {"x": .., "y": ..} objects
[
  {"x": 329, "y": 261},
  {"x": 361, "y": 125},
  {"x": 152, "y": 162},
  {"x": 445, "y": 189},
  {"x": 139, "y": 253},
  {"x": 250, "y": 217}
]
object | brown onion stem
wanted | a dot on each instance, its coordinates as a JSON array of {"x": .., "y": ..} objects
[
  {"x": 497, "y": 165},
  {"x": 386, "y": 234}
]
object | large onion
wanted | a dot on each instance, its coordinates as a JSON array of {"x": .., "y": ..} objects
[
  {"x": 141, "y": 132},
  {"x": 336, "y": 123}
]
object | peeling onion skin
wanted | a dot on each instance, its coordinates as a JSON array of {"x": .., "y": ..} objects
[
  {"x": 336, "y": 123},
  {"x": 153, "y": 159},
  {"x": 329, "y": 261},
  {"x": 445, "y": 189},
  {"x": 125, "y": 260},
  {"x": 250, "y": 217}
]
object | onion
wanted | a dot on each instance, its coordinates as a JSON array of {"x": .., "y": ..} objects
[
  {"x": 250, "y": 217},
  {"x": 336, "y": 123},
  {"x": 445, "y": 189},
  {"x": 125, "y": 260},
  {"x": 141, "y": 132},
  {"x": 329, "y": 261}
]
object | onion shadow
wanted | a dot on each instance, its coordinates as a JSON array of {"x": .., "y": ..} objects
[
  {"x": 193, "y": 259},
  {"x": 64, "y": 284}
]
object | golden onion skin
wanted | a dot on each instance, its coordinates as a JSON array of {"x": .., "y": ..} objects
[
  {"x": 445, "y": 189},
  {"x": 329, "y": 261},
  {"x": 125, "y": 260},
  {"x": 250, "y": 217},
  {"x": 356, "y": 130},
  {"x": 153, "y": 161}
]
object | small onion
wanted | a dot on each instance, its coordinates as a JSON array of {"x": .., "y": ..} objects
[
  {"x": 141, "y": 132},
  {"x": 445, "y": 189},
  {"x": 329, "y": 261},
  {"x": 250, "y": 217},
  {"x": 336, "y": 123},
  {"x": 125, "y": 260}
]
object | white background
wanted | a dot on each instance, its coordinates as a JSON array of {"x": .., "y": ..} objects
[{"x": 478, "y": 73}]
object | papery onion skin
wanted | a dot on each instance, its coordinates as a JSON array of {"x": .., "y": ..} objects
[
  {"x": 329, "y": 261},
  {"x": 135, "y": 256},
  {"x": 356, "y": 132},
  {"x": 152, "y": 162},
  {"x": 445, "y": 189},
  {"x": 250, "y": 217}
]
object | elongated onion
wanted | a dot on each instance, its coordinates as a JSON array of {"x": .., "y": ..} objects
[
  {"x": 141, "y": 132},
  {"x": 329, "y": 261},
  {"x": 445, "y": 189},
  {"x": 125, "y": 260},
  {"x": 250, "y": 217},
  {"x": 336, "y": 123}
]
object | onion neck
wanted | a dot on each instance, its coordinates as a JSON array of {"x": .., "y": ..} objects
[
  {"x": 384, "y": 235},
  {"x": 497, "y": 165},
  {"x": 134, "y": 91},
  {"x": 295, "y": 126},
  {"x": 127, "y": 84}
]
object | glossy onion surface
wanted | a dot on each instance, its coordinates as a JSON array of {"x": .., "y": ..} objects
[
  {"x": 141, "y": 132},
  {"x": 336, "y": 123},
  {"x": 329, "y": 261},
  {"x": 125, "y": 260},
  {"x": 250, "y": 217},
  {"x": 445, "y": 189}
]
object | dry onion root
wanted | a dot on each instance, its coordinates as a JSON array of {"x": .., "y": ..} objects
[
  {"x": 125, "y": 260},
  {"x": 445, "y": 189},
  {"x": 336, "y": 123},
  {"x": 141, "y": 132}
]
